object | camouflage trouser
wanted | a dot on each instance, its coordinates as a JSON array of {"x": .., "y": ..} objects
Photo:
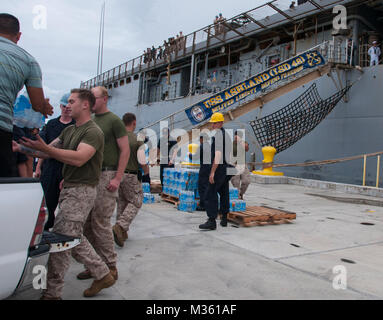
[
  {"x": 242, "y": 180},
  {"x": 129, "y": 200},
  {"x": 98, "y": 228},
  {"x": 74, "y": 207}
]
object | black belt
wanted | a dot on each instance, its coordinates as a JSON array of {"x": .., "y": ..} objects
[
  {"x": 137, "y": 173},
  {"x": 131, "y": 172},
  {"x": 108, "y": 169}
]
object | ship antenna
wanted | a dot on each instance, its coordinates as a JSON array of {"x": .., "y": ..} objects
[{"x": 101, "y": 41}]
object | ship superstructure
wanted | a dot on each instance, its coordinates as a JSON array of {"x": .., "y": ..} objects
[{"x": 165, "y": 82}]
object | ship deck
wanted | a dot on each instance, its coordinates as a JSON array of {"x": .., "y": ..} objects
[{"x": 168, "y": 257}]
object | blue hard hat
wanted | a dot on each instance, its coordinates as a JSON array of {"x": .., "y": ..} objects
[{"x": 64, "y": 99}]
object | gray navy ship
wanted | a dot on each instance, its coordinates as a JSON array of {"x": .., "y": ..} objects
[{"x": 269, "y": 63}]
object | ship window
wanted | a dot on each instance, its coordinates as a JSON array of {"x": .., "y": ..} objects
[
  {"x": 128, "y": 80},
  {"x": 212, "y": 64},
  {"x": 234, "y": 58},
  {"x": 122, "y": 82},
  {"x": 223, "y": 61},
  {"x": 115, "y": 84},
  {"x": 272, "y": 60},
  {"x": 136, "y": 76}
]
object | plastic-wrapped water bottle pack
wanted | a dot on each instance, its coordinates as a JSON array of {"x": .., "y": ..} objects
[
  {"x": 186, "y": 196},
  {"x": 25, "y": 116},
  {"x": 182, "y": 183},
  {"x": 146, "y": 187},
  {"x": 148, "y": 198},
  {"x": 237, "y": 205},
  {"x": 188, "y": 206},
  {"x": 179, "y": 179},
  {"x": 233, "y": 193}
]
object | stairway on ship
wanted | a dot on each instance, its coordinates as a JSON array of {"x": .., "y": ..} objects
[{"x": 330, "y": 56}]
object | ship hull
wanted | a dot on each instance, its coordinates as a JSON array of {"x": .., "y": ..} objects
[{"x": 352, "y": 128}]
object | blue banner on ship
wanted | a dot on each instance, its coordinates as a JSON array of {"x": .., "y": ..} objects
[{"x": 203, "y": 110}]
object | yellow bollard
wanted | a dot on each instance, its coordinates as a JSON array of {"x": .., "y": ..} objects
[
  {"x": 364, "y": 170},
  {"x": 192, "y": 148},
  {"x": 268, "y": 155},
  {"x": 377, "y": 172}
]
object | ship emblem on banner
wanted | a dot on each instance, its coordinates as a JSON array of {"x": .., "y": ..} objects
[
  {"x": 198, "y": 114},
  {"x": 204, "y": 109}
]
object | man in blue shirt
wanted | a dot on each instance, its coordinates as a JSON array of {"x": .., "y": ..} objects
[{"x": 17, "y": 68}]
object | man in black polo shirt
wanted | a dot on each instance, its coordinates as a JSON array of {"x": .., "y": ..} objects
[
  {"x": 50, "y": 170},
  {"x": 164, "y": 147},
  {"x": 204, "y": 170},
  {"x": 218, "y": 179}
]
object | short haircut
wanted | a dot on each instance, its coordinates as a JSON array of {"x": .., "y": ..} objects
[
  {"x": 9, "y": 24},
  {"x": 128, "y": 118},
  {"x": 103, "y": 90},
  {"x": 85, "y": 94}
]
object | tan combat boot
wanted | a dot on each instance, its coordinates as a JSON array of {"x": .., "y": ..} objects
[
  {"x": 84, "y": 275},
  {"x": 118, "y": 234},
  {"x": 98, "y": 285},
  {"x": 114, "y": 272}
]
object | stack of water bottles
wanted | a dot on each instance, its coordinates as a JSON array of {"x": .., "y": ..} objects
[
  {"x": 187, "y": 201},
  {"x": 236, "y": 205},
  {"x": 148, "y": 197},
  {"x": 182, "y": 183},
  {"x": 233, "y": 193},
  {"x": 25, "y": 116}
]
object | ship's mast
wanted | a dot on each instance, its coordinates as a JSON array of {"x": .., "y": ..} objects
[{"x": 101, "y": 41}]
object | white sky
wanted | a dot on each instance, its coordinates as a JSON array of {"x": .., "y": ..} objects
[{"x": 67, "y": 49}]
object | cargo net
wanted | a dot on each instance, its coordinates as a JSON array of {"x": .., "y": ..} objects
[{"x": 283, "y": 128}]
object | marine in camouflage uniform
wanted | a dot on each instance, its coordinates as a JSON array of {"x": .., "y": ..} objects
[
  {"x": 98, "y": 227},
  {"x": 242, "y": 180},
  {"x": 130, "y": 192},
  {"x": 83, "y": 145}
]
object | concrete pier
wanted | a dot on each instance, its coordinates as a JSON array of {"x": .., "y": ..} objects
[{"x": 168, "y": 257}]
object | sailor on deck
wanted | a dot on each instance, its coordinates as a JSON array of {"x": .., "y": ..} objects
[{"x": 374, "y": 52}]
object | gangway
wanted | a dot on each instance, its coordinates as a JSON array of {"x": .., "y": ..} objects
[{"x": 328, "y": 56}]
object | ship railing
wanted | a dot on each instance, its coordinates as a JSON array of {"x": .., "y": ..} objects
[{"x": 263, "y": 17}]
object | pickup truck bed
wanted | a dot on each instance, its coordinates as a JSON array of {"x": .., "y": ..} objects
[{"x": 21, "y": 201}]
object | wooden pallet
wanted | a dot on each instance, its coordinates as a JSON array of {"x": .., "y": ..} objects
[
  {"x": 260, "y": 216},
  {"x": 168, "y": 198}
]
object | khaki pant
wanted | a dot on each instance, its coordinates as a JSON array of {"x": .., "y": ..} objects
[
  {"x": 242, "y": 180},
  {"x": 129, "y": 200},
  {"x": 98, "y": 228},
  {"x": 73, "y": 210}
]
